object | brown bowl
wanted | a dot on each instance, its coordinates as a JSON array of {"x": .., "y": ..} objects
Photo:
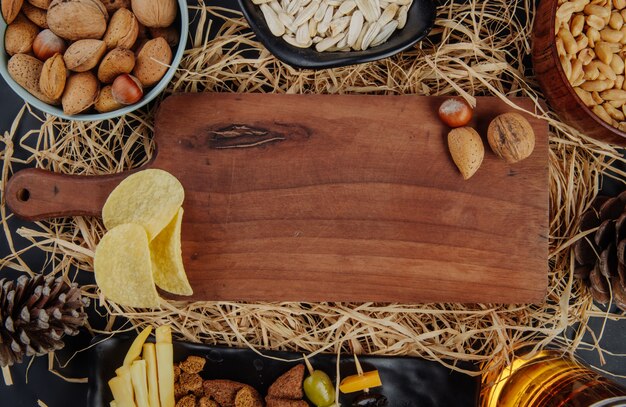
[{"x": 556, "y": 88}]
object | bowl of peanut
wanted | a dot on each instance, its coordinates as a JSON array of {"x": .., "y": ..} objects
[{"x": 578, "y": 57}]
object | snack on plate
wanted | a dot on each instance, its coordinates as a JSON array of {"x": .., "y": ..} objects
[
  {"x": 289, "y": 385},
  {"x": 150, "y": 198},
  {"x": 122, "y": 267},
  {"x": 148, "y": 380},
  {"x": 167, "y": 258},
  {"x": 143, "y": 248},
  {"x": 338, "y": 25}
]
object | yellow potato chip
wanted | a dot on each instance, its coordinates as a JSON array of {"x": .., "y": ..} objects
[
  {"x": 149, "y": 198},
  {"x": 123, "y": 269},
  {"x": 167, "y": 259}
]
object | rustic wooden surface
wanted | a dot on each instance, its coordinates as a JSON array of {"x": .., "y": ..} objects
[
  {"x": 335, "y": 198},
  {"x": 560, "y": 95}
]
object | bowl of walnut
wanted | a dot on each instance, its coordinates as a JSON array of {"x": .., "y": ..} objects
[
  {"x": 578, "y": 57},
  {"x": 91, "y": 59}
]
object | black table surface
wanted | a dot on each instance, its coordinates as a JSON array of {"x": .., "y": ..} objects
[{"x": 33, "y": 382}]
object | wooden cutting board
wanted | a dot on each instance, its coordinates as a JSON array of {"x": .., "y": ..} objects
[{"x": 334, "y": 198}]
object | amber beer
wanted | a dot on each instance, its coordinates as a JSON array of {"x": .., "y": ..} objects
[{"x": 548, "y": 380}]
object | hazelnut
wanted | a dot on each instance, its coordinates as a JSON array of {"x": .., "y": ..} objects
[
  {"x": 47, "y": 44},
  {"x": 511, "y": 137},
  {"x": 126, "y": 89},
  {"x": 455, "y": 112}
]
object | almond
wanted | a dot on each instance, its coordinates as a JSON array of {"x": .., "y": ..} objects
[
  {"x": 152, "y": 61},
  {"x": 81, "y": 92},
  {"x": 170, "y": 34},
  {"x": 122, "y": 31},
  {"x": 116, "y": 62},
  {"x": 78, "y": 19},
  {"x": 20, "y": 35},
  {"x": 53, "y": 77},
  {"x": 467, "y": 150},
  {"x": 84, "y": 55},
  {"x": 26, "y": 70}
]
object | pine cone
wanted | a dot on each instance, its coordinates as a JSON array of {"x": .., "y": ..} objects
[
  {"x": 35, "y": 313},
  {"x": 601, "y": 255}
]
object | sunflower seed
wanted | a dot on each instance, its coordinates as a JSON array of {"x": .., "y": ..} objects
[
  {"x": 302, "y": 35},
  {"x": 323, "y": 26},
  {"x": 343, "y": 43},
  {"x": 276, "y": 27},
  {"x": 367, "y": 7},
  {"x": 339, "y": 25},
  {"x": 358, "y": 45},
  {"x": 328, "y": 42},
  {"x": 308, "y": 12},
  {"x": 290, "y": 39},
  {"x": 293, "y": 7},
  {"x": 371, "y": 33},
  {"x": 388, "y": 14},
  {"x": 346, "y": 7},
  {"x": 356, "y": 24},
  {"x": 285, "y": 18},
  {"x": 312, "y": 28},
  {"x": 276, "y": 7},
  {"x": 385, "y": 33},
  {"x": 402, "y": 15},
  {"x": 258, "y": 2},
  {"x": 321, "y": 11}
]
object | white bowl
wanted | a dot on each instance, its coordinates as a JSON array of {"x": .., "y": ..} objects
[{"x": 182, "y": 19}]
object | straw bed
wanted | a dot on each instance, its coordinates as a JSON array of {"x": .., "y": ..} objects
[{"x": 476, "y": 48}]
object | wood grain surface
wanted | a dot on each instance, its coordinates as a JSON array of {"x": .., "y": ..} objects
[{"x": 335, "y": 198}]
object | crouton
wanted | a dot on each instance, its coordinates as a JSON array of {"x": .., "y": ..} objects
[
  {"x": 193, "y": 364},
  {"x": 222, "y": 391},
  {"x": 248, "y": 397},
  {"x": 191, "y": 383},
  {"x": 187, "y": 401},
  {"x": 206, "y": 402},
  {"x": 289, "y": 385}
]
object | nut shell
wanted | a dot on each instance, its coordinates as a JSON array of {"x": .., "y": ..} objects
[
  {"x": 84, "y": 55},
  {"x": 53, "y": 77},
  {"x": 81, "y": 92},
  {"x": 115, "y": 63},
  {"x": 155, "y": 13},
  {"x": 47, "y": 44},
  {"x": 35, "y": 14},
  {"x": 511, "y": 137},
  {"x": 171, "y": 35},
  {"x": 122, "y": 31},
  {"x": 467, "y": 150},
  {"x": 114, "y": 5},
  {"x": 26, "y": 70},
  {"x": 20, "y": 35},
  {"x": 152, "y": 61},
  {"x": 78, "y": 19},
  {"x": 105, "y": 102},
  {"x": 10, "y": 9},
  {"x": 43, "y": 4}
]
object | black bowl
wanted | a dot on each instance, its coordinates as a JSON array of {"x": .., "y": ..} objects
[{"x": 420, "y": 20}]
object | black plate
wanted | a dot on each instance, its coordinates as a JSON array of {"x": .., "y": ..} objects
[
  {"x": 420, "y": 20},
  {"x": 407, "y": 382}
]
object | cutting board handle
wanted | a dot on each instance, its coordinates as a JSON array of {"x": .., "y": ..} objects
[{"x": 35, "y": 194}]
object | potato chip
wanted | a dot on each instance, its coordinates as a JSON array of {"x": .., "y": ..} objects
[
  {"x": 167, "y": 259},
  {"x": 149, "y": 198},
  {"x": 123, "y": 269}
]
